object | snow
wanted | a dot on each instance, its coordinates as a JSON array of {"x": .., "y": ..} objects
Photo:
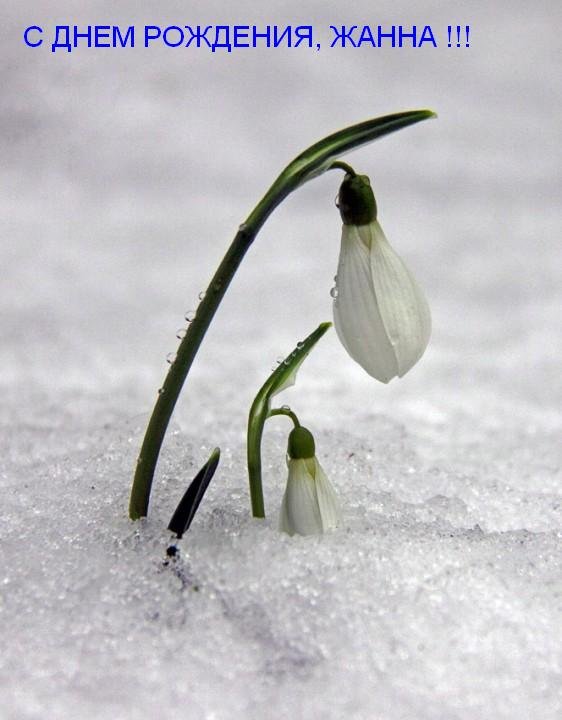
[{"x": 125, "y": 175}]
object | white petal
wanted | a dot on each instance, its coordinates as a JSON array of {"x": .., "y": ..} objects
[
  {"x": 299, "y": 510},
  {"x": 284, "y": 524},
  {"x": 357, "y": 317},
  {"x": 402, "y": 305},
  {"x": 310, "y": 505},
  {"x": 328, "y": 502}
]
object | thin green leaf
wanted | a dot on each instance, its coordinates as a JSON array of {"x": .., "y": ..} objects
[
  {"x": 318, "y": 157},
  {"x": 285, "y": 374}
]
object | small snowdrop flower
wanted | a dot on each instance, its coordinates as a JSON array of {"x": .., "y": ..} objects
[
  {"x": 310, "y": 505},
  {"x": 381, "y": 316}
]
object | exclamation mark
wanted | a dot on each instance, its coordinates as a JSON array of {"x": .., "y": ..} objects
[
  {"x": 467, "y": 31},
  {"x": 449, "y": 31},
  {"x": 458, "y": 35}
]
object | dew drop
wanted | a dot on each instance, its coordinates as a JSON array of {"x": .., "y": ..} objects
[
  {"x": 335, "y": 278},
  {"x": 285, "y": 407},
  {"x": 201, "y": 295},
  {"x": 279, "y": 360},
  {"x": 300, "y": 344},
  {"x": 161, "y": 391},
  {"x": 190, "y": 316},
  {"x": 286, "y": 362},
  {"x": 181, "y": 333},
  {"x": 171, "y": 358},
  {"x": 334, "y": 292}
]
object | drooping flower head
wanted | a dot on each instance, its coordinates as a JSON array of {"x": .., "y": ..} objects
[
  {"x": 310, "y": 505},
  {"x": 381, "y": 316}
]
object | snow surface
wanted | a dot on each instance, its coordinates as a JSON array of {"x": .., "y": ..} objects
[{"x": 124, "y": 175}]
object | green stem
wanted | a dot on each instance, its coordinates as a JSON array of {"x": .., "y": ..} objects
[
  {"x": 285, "y": 411},
  {"x": 313, "y": 161},
  {"x": 187, "y": 350},
  {"x": 254, "y": 473},
  {"x": 339, "y": 165},
  {"x": 173, "y": 383},
  {"x": 281, "y": 378},
  {"x": 254, "y": 455}
]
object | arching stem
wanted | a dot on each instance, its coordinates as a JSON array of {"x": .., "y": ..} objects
[
  {"x": 312, "y": 162},
  {"x": 339, "y": 165},
  {"x": 285, "y": 411}
]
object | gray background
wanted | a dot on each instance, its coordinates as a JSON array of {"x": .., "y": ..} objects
[{"x": 124, "y": 175}]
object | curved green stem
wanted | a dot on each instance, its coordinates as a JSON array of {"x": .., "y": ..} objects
[
  {"x": 339, "y": 165},
  {"x": 173, "y": 383},
  {"x": 313, "y": 161},
  {"x": 255, "y": 431},
  {"x": 281, "y": 378},
  {"x": 285, "y": 411}
]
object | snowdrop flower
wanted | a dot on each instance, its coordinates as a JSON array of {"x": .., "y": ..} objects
[
  {"x": 310, "y": 505},
  {"x": 381, "y": 316}
]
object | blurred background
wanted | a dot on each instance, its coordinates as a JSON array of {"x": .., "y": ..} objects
[{"x": 125, "y": 173}]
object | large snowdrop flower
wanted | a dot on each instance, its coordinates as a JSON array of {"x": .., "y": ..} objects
[
  {"x": 381, "y": 316},
  {"x": 310, "y": 505}
]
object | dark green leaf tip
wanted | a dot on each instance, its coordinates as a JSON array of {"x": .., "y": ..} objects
[{"x": 189, "y": 504}]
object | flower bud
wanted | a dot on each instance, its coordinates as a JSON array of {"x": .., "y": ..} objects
[
  {"x": 310, "y": 505},
  {"x": 301, "y": 444},
  {"x": 356, "y": 201}
]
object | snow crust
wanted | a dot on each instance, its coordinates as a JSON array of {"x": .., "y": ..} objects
[{"x": 441, "y": 596}]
